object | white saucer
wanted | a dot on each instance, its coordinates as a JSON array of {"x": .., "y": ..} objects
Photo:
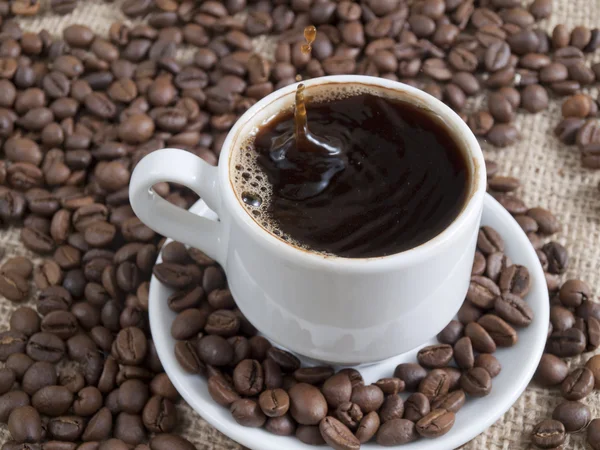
[{"x": 518, "y": 363}]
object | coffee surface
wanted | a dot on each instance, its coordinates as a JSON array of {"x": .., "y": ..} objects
[{"x": 372, "y": 177}]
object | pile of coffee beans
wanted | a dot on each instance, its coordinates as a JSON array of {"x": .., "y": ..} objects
[
  {"x": 453, "y": 49},
  {"x": 579, "y": 127},
  {"x": 574, "y": 326},
  {"x": 265, "y": 386}
]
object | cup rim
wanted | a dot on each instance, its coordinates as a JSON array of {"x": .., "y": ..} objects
[{"x": 408, "y": 257}]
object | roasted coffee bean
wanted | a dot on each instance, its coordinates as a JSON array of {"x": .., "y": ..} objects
[
  {"x": 390, "y": 386},
  {"x": 482, "y": 292},
  {"x": 463, "y": 353},
  {"x": 412, "y": 375},
  {"x": 435, "y": 356},
  {"x": 337, "y": 435},
  {"x": 368, "y": 398},
  {"x": 513, "y": 309},
  {"x": 551, "y": 370},
  {"x": 416, "y": 407},
  {"x": 25, "y": 424},
  {"x": 437, "y": 423},
  {"x": 246, "y": 412},
  {"x": 575, "y": 416},
  {"x": 578, "y": 384},
  {"x": 452, "y": 401},
  {"x": 476, "y": 382},
  {"x": 52, "y": 401},
  {"x": 397, "y": 432},
  {"x": 45, "y": 347},
  {"x": 37, "y": 376},
  {"x": 13, "y": 286},
  {"x": 307, "y": 405},
  {"x": 25, "y": 320},
  {"x": 451, "y": 333},
  {"x": 188, "y": 324},
  {"x": 558, "y": 259},
  {"x": 480, "y": 338},
  {"x": 169, "y": 441},
  {"x": 566, "y": 343},
  {"x": 548, "y": 434},
  {"x": 349, "y": 414},
  {"x": 436, "y": 383}
]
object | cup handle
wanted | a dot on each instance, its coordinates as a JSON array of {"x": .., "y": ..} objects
[{"x": 185, "y": 168}]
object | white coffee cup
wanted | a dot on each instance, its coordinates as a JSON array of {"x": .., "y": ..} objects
[{"x": 327, "y": 308}]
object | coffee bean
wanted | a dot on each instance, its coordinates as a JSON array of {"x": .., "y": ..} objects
[
  {"x": 435, "y": 356},
  {"x": 437, "y": 423},
  {"x": 349, "y": 414},
  {"x": 593, "y": 434},
  {"x": 37, "y": 376},
  {"x": 575, "y": 416},
  {"x": 463, "y": 353},
  {"x": 551, "y": 370},
  {"x": 337, "y": 435},
  {"x": 131, "y": 345},
  {"x": 188, "y": 324},
  {"x": 307, "y": 405},
  {"x": 480, "y": 338},
  {"x": 436, "y": 383},
  {"x": 482, "y": 292},
  {"x": 476, "y": 382},
  {"x": 548, "y": 434},
  {"x": 215, "y": 350},
  {"x": 25, "y": 424},
  {"x": 52, "y": 401},
  {"x": 170, "y": 441},
  {"x": 578, "y": 384},
  {"x": 246, "y": 412},
  {"x": 368, "y": 398},
  {"x": 13, "y": 286},
  {"x": 451, "y": 333},
  {"x": 25, "y": 320},
  {"x": 412, "y": 375},
  {"x": 390, "y": 386}
]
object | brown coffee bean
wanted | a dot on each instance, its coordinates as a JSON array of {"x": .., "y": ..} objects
[
  {"x": 25, "y": 424},
  {"x": 435, "y": 356},
  {"x": 476, "y": 382},
  {"x": 437, "y": 423},
  {"x": 558, "y": 258},
  {"x": 578, "y": 384},
  {"x": 575, "y": 416},
  {"x": 480, "y": 339},
  {"x": 548, "y": 434},
  {"x": 482, "y": 291},
  {"x": 435, "y": 383}
]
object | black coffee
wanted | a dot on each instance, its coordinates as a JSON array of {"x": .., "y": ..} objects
[{"x": 370, "y": 176}]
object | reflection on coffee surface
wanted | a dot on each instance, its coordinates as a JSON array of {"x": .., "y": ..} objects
[{"x": 355, "y": 175}]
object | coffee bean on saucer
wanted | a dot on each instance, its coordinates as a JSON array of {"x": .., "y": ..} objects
[
  {"x": 412, "y": 374},
  {"x": 437, "y": 423},
  {"x": 416, "y": 406}
]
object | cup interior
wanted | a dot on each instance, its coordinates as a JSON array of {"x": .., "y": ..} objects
[{"x": 329, "y": 88}]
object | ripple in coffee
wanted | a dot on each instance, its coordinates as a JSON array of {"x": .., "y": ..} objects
[{"x": 371, "y": 176}]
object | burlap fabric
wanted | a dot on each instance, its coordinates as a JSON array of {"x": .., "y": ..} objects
[{"x": 552, "y": 177}]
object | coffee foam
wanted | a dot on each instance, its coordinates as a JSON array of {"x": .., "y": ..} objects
[{"x": 249, "y": 180}]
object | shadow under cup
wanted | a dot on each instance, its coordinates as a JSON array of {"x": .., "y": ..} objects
[{"x": 350, "y": 310}]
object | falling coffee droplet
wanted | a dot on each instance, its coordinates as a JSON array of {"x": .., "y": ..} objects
[
  {"x": 300, "y": 116},
  {"x": 251, "y": 199},
  {"x": 310, "y": 34},
  {"x": 298, "y": 77}
]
